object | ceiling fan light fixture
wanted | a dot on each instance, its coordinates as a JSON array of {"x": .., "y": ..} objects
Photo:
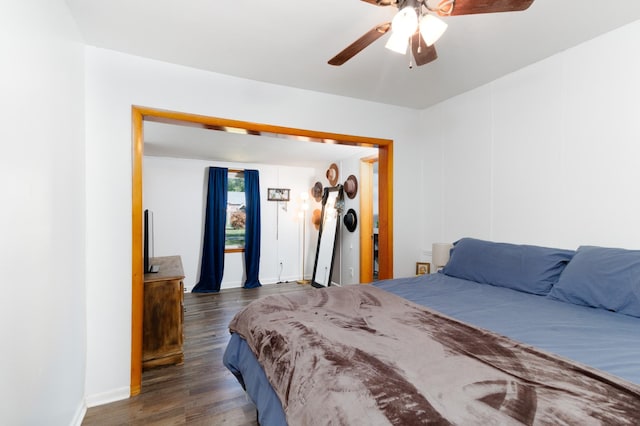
[
  {"x": 405, "y": 22},
  {"x": 431, "y": 28},
  {"x": 398, "y": 43}
]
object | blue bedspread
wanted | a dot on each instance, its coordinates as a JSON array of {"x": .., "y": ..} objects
[
  {"x": 605, "y": 340},
  {"x": 595, "y": 337}
]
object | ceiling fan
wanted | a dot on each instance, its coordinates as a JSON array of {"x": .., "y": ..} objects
[{"x": 416, "y": 25}]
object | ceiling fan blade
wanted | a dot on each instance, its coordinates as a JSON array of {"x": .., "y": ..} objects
[
  {"x": 381, "y": 2},
  {"x": 470, "y": 7},
  {"x": 422, "y": 53},
  {"x": 354, "y": 48}
]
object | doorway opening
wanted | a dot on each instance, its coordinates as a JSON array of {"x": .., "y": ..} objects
[{"x": 142, "y": 114}]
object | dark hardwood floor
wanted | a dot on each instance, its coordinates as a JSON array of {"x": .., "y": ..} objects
[{"x": 201, "y": 391}]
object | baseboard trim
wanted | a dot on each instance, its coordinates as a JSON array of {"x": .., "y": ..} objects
[
  {"x": 268, "y": 280},
  {"x": 107, "y": 397},
  {"x": 79, "y": 415}
]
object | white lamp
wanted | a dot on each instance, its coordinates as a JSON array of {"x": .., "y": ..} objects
[
  {"x": 431, "y": 28},
  {"x": 440, "y": 254},
  {"x": 398, "y": 43},
  {"x": 302, "y": 214},
  {"x": 405, "y": 22},
  {"x": 403, "y": 25}
]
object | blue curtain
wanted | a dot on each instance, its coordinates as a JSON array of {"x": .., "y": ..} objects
[
  {"x": 212, "y": 266},
  {"x": 252, "y": 228}
]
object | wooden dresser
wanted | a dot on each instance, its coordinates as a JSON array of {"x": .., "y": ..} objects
[{"x": 162, "y": 334}]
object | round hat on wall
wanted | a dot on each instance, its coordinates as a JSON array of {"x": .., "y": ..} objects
[
  {"x": 350, "y": 220},
  {"x": 351, "y": 186},
  {"x": 316, "y": 191},
  {"x": 316, "y": 217},
  {"x": 332, "y": 174}
]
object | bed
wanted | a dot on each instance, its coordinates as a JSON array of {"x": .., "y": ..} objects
[{"x": 504, "y": 334}]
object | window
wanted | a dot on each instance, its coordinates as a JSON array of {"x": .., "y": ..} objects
[{"x": 236, "y": 212}]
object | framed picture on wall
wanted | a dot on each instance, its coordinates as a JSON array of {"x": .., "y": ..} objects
[
  {"x": 423, "y": 268},
  {"x": 278, "y": 194}
]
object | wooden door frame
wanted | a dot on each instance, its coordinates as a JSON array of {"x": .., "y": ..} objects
[
  {"x": 139, "y": 114},
  {"x": 366, "y": 218}
]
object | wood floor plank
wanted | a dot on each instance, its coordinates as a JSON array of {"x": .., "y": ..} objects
[{"x": 201, "y": 391}]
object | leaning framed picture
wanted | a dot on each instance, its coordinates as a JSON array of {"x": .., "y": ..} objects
[
  {"x": 423, "y": 268},
  {"x": 278, "y": 194}
]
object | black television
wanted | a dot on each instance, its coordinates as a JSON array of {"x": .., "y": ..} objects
[{"x": 148, "y": 243}]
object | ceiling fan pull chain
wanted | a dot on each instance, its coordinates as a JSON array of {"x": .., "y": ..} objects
[
  {"x": 411, "y": 49},
  {"x": 419, "y": 38}
]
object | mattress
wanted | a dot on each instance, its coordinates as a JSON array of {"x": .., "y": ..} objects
[{"x": 594, "y": 337}]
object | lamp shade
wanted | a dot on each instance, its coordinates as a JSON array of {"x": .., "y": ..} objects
[
  {"x": 440, "y": 254},
  {"x": 405, "y": 22},
  {"x": 431, "y": 28},
  {"x": 398, "y": 43}
]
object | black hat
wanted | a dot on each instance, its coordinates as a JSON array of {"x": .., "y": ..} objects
[{"x": 350, "y": 220}]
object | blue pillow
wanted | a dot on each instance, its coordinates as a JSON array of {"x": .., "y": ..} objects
[
  {"x": 526, "y": 268},
  {"x": 602, "y": 277}
]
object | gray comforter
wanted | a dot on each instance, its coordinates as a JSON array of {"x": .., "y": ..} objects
[{"x": 359, "y": 355}]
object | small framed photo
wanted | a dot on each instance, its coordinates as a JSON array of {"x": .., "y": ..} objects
[
  {"x": 423, "y": 268},
  {"x": 278, "y": 194}
]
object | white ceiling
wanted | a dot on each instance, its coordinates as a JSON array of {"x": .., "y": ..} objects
[
  {"x": 289, "y": 43},
  {"x": 168, "y": 140}
]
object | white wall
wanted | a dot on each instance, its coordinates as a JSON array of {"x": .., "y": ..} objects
[
  {"x": 175, "y": 190},
  {"x": 547, "y": 155},
  {"x": 42, "y": 228},
  {"x": 349, "y": 242},
  {"x": 114, "y": 82},
  {"x": 346, "y": 265}
]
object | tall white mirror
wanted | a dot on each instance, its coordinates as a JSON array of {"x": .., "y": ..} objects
[{"x": 332, "y": 200}]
